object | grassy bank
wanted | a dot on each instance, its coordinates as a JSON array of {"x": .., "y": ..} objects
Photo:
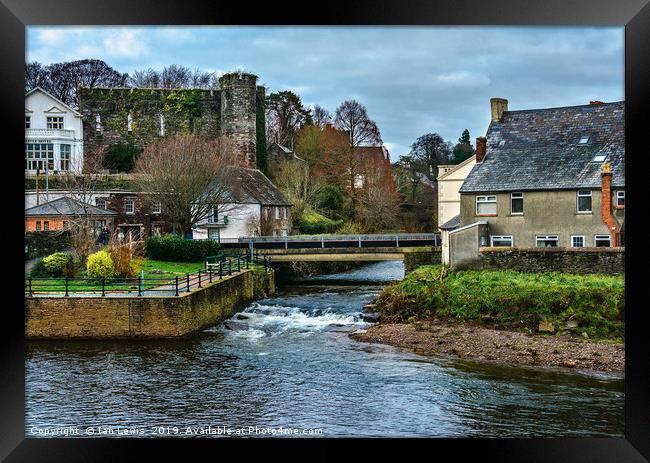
[{"x": 591, "y": 304}]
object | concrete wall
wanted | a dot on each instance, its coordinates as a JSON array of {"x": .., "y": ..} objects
[
  {"x": 143, "y": 317},
  {"x": 569, "y": 260},
  {"x": 449, "y": 182},
  {"x": 465, "y": 242},
  {"x": 545, "y": 213}
]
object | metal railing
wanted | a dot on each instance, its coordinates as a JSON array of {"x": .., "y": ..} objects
[
  {"x": 358, "y": 240},
  {"x": 142, "y": 287}
]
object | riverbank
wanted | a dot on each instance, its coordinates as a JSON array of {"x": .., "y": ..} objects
[{"x": 503, "y": 346}]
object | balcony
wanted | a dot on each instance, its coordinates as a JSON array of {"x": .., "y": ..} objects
[{"x": 49, "y": 133}]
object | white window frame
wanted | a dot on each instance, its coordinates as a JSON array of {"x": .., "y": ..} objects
[
  {"x": 494, "y": 238},
  {"x": 277, "y": 212},
  {"x": 521, "y": 196},
  {"x": 620, "y": 194},
  {"x": 54, "y": 124},
  {"x": 590, "y": 196},
  {"x": 129, "y": 206},
  {"x": 65, "y": 157},
  {"x": 156, "y": 207},
  {"x": 285, "y": 211},
  {"x": 40, "y": 156},
  {"x": 598, "y": 238},
  {"x": 98, "y": 123},
  {"x": 214, "y": 215},
  {"x": 584, "y": 241},
  {"x": 555, "y": 238},
  {"x": 486, "y": 199},
  {"x": 100, "y": 203}
]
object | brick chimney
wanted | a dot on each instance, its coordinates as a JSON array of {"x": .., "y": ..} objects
[
  {"x": 498, "y": 107},
  {"x": 480, "y": 148},
  {"x": 606, "y": 202},
  {"x": 596, "y": 102}
]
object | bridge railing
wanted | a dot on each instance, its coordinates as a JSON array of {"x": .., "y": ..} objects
[{"x": 390, "y": 237}]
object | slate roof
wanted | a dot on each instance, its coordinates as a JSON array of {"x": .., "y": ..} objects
[
  {"x": 251, "y": 186},
  {"x": 538, "y": 149},
  {"x": 452, "y": 223},
  {"x": 68, "y": 207}
]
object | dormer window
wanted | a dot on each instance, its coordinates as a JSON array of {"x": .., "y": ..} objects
[
  {"x": 54, "y": 122},
  {"x": 583, "y": 140},
  {"x": 600, "y": 158}
]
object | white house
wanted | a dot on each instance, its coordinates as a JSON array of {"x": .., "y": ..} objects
[
  {"x": 53, "y": 134},
  {"x": 450, "y": 179}
]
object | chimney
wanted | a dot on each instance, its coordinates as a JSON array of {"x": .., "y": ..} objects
[
  {"x": 596, "y": 102},
  {"x": 480, "y": 148},
  {"x": 606, "y": 202},
  {"x": 498, "y": 106}
]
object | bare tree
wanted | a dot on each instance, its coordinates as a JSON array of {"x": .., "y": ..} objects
[
  {"x": 294, "y": 181},
  {"x": 173, "y": 76},
  {"x": 321, "y": 116},
  {"x": 352, "y": 117},
  {"x": 378, "y": 202},
  {"x": 36, "y": 75},
  {"x": 190, "y": 175}
]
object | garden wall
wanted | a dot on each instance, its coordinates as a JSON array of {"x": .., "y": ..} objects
[
  {"x": 570, "y": 260},
  {"x": 144, "y": 317}
]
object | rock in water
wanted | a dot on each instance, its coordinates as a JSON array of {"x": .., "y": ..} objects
[
  {"x": 241, "y": 317},
  {"x": 371, "y": 317}
]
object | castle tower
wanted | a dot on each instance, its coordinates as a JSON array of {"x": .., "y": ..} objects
[{"x": 238, "y": 111}]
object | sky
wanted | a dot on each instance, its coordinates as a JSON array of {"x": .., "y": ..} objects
[{"x": 412, "y": 80}]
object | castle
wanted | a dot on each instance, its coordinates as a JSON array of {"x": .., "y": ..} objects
[{"x": 139, "y": 115}]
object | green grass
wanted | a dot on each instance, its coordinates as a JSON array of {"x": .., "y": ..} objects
[
  {"x": 313, "y": 223},
  {"x": 509, "y": 300},
  {"x": 152, "y": 268}
]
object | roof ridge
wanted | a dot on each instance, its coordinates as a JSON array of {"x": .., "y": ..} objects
[{"x": 611, "y": 103}]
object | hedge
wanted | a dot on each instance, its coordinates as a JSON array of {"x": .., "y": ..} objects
[
  {"x": 172, "y": 248},
  {"x": 59, "y": 264}
]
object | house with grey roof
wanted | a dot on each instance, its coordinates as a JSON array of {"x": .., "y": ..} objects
[
  {"x": 61, "y": 213},
  {"x": 546, "y": 178}
]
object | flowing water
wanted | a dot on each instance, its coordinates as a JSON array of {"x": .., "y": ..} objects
[{"x": 287, "y": 362}]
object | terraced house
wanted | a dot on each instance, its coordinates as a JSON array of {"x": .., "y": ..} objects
[{"x": 545, "y": 178}]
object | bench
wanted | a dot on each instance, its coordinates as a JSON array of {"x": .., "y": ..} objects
[{"x": 212, "y": 262}]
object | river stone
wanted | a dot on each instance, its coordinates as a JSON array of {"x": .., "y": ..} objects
[
  {"x": 572, "y": 324},
  {"x": 545, "y": 327},
  {"x": 370, "y": 317},
  {"x": 241, "y": 317},
  {"x": 569, "y": 363}
]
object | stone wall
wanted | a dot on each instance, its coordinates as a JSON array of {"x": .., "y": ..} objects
[
  {"x": 238, "y": 114},
  {"x": 569, "y": 260},
  {"x": 143, "y": 317},
  {"x": 413, "y": 260}
]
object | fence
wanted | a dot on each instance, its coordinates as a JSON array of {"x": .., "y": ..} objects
[
  {"x": 150, "y": 286},
  {"x": 323, "y": 241}
]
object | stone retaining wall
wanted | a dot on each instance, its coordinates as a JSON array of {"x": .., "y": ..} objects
[
  {"x": 570, "y": 260},
  {"x": 143, "y": 317},
  {"x": 413, "y": 260}
]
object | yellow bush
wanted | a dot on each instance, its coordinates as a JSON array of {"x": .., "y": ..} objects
[{"x": 100, "y": 265}]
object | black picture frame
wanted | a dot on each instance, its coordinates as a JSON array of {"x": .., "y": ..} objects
[{"x": 633, "y": 14}]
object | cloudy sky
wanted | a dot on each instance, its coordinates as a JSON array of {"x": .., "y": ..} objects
[{"x": 413, "y": 80}]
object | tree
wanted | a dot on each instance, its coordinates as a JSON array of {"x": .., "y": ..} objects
[
  {"x": 63, "y": 79},
  {"x": 352, "y": 118},
  {"x": 285, "y": 115},
  {"x": 173, "y": 76},
  {"x": 321, "y": 116},
  {"x": 378, "y": 200},
  {"x": 190, "y": 175},
  {"x": 294, "y": 181},
  {"x": 429, "y": 151},
  {"x": 463, "y": 149},
  {"x": 121, "y": 156}
]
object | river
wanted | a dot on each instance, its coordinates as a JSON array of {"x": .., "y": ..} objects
[{"x": 291, "y": 365}]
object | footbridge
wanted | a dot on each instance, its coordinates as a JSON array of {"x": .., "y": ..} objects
[{"x": 323, "y": 248}]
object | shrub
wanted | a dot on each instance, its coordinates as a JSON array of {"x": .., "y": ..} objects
[
  {"x": 121, "y": 157},
  {"x": 59, "y": 264},
  {"x": 100, "y": 265},
  {"x": 39, "y": 270},
  {"x": 176, "y": 249},
  {"x": 122, "y": 254}
]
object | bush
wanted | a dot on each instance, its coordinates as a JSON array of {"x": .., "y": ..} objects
[
  {"x": 100, "y": 265},
  {"x": 121, "y": 157},
  {"x": 172, "y": 248},
  {"x": 39, "y": 270},
  {"x": 314, "y": 223},
  {"x": 59, "y": 264}
]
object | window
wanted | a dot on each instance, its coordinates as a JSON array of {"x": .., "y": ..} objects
[
  {"x": 98, "y": 123},
  {"x": 65, "y": 157},
  {"x": 214, "y": 217},
  {"x": 603, "y": 241},
  {"x": 46, "y": 225},
  {"x": 39, "y": 156},
  {"x": 129, "y": 123},
  {"x": 155, "y": 209},
  {"x": 100, "y": 203},
  {"x": 277, "y": 212},
  {"x": 162, "y": 125},
  {"x": 65, "y": 224},
  {"x": 620, "y": 199},
  {"x": 38, "y": 225},
  {"x": 546, "y": 241},
  {"x": 517, "y": 203},
  {"x": 285, "y": 212},
  {"x": 599, "y": 157},
  {"x": 583, "y": 140},
  {"x": 54, "y": 122},
  {"x": 486, "y": 205},
  {"x": 28, "y": 122},
  {"x": 501, "y": 240},
  {"x": 584, "y": 201},
  {"x": 577, "y": 241},
  {"x": 129, "y": 206}
]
